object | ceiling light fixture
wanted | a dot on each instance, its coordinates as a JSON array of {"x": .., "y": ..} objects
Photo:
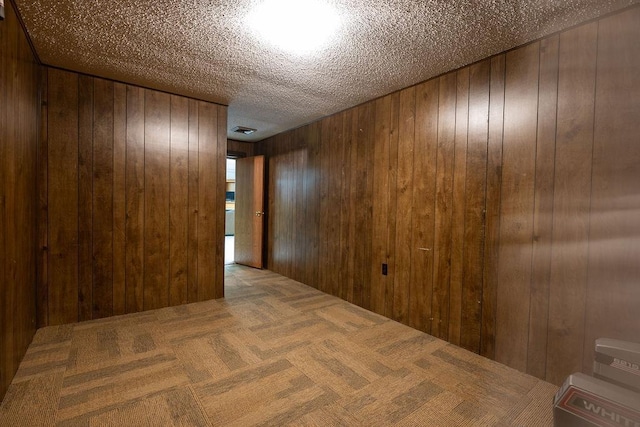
[
  {"x": 243, "y": 130},
  {"x": 297, "y": 26}
]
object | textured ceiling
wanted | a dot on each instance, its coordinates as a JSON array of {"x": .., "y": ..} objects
[{"x": 205, "y": 49}]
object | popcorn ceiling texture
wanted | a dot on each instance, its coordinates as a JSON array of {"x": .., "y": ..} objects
[{"x": 204, "y": 49}]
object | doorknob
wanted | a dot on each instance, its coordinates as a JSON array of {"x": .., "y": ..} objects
[{"x": 258, "y": 213}]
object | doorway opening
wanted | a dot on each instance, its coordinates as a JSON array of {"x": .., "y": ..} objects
[{"x": 230, "y": 212}]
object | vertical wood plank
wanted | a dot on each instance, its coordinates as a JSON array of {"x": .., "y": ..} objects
[
  {"x": 85, "y": 197},
  {"x": 444, "y": 206},
  {"x": 516, "y": 210},
  {"x": 352, "y": 209},
  {"x": 157, "y": 134},
  {"x": 325, "y": 207},
  {"x": 9, "y": 208},
  {"x": 280, "y": 218},
  {"x": 458, "y": 204},
  {"x": 179, "y": 200},
  {"x": 380, "y": 206},
  {"x": 492, "y": 207},
  {"x": 25, "y": 222},
  {"x": 29, "y": 122},
  {"x": 346, "y": 248},
  {"x": 193, "y": 198},
  {"x": 263, "y": 150},
  {"x": 296, "y": 212},
  {"x": 207, "y": 185},
  {"x": 284, "y": 217},
  {"x": 102, "y": 178},
  {"x": 298, "y": 209},
  {"x": 393, "y": 202},
  {"x": 300, "y": 232},
  {"x": 370, "y": 131},
  {"x": 571, "y": 201},
  {"x": 63, "y": 197},
  {"x": 334, "y": 236},
  {"x": 305, "y": 219},
  {"x": 42, "y": 287},
  {"x": 271, "y": 212},
  {"x": 6, "y": 322},
  {"x": 474, "y": 217},
  {"x": 287, "y": 205},
  {"x": 135, "y": 200},
  {"x": 291, "y": 203},
  {"x": 404, "y": 184},
  {"x": 292, "y": 207},
  {"x": 613, "y": 294},
  {"x": 19, "y": 156},
  {"x": 423, "y": 204},
  {"x": 284, "y": 214},
  {"x": 119, "y": 197},
  {"x": 543, "y": 214},
  {"x": 221, "y": 169},
  {"x": 364, "y": 190}
]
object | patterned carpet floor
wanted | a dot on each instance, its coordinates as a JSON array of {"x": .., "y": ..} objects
[{"x": 274, "y": 352}]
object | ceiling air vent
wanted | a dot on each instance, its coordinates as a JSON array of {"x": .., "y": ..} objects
[{"x": 243, "y": 130}]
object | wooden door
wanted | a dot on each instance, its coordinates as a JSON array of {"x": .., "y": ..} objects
[{"x": 249, "y": 211}]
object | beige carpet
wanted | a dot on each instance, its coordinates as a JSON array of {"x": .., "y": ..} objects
[{"x": 274, "y": 352}]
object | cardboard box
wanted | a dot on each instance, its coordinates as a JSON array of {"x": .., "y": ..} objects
[{"x": 583, "y": 401}]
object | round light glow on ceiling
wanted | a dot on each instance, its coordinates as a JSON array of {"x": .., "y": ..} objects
[{"x": 297, "y": 26}]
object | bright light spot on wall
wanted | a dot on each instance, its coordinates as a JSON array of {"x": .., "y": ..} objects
[{"x": 297, "y": 26}]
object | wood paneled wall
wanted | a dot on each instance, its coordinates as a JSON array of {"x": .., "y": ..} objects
[
  {"x": 19, "y": 112},
  {"x": 132, "y": 198},
  {"x": 240, "y": 147},
  {"x": 503, "y": 196}
]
